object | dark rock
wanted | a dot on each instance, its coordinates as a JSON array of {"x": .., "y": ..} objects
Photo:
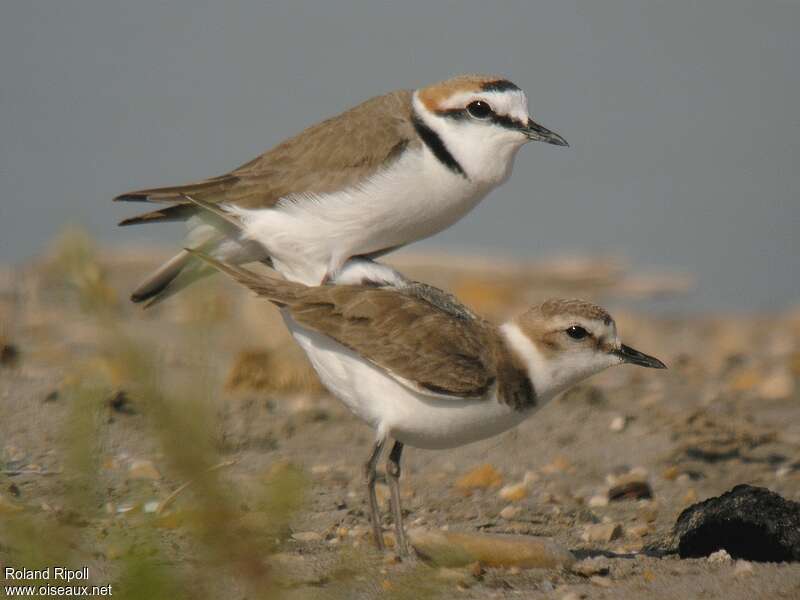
[{"x": 749, "y": 522}]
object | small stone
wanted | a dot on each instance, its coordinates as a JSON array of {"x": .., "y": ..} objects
[
  {"x": 648, "y": 512},
  {"x": 618, "y": 424},
  {"x": 598, "y": 500},
  {"x": 743, "y": 567},
  {"x": 720, "y": 556},
  {"x": 591, "y": 566},
  {"x": 451, "y": 549},
  {"x": 143, "y": 469},
  {"x": 601, "y": 581},
  {"x": 480, "y": 478},
  {"x": 601, "y": 532},
  {"x": 559, "y": 465},
  {"x": 514, "y": 493},
  {"x": 633, "y": 489},
  {"x": 509, "y": 512},
  {"x": 307, "y": 536},
  {"x": 151, "y": 506},
  {"x": 671, "y": 473}
]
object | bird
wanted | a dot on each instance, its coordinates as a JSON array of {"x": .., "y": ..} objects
[
  {"x": 425, "y": 371},
  {"x": 392, "y": 170}
]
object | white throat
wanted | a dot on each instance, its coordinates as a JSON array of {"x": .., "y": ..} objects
[
  {"x": 485, "y": 153},
  {"x": 551, "y": 376}
]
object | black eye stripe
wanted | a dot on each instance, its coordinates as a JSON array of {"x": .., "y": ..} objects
[{"x": 501, "y": 120}]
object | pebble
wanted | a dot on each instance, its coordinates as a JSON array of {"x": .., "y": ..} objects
[
  {"x": 143, "y": 469},
  {"x": 151, "y": 506},
  {"x": 514, "y": 493},
  {"x": 600, "y": 581},
  {"x": 671, "y": 473},
  {"x": 591, "y": 566},
  {"x": 598, "y": 500},
  {"x": 307, "y": 536},
  {"x": 509, "y": 512},
  {"x": 602, "y": 532},
  {"x": 451, "y": 549},
  {"x": 618, "y": 424},
  {"x": 480, "y": 478},
  {"x": 720, "y": 556},
  {"x": 559, "y": 465},
  {"x": 630, "y": 490}
]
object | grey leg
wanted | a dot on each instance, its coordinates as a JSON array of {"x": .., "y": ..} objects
[
  {"x": 393, "y": 477},
  {"x": 370, "y": 475}
]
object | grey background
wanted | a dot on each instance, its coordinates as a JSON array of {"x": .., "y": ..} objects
[{"x": 683, "y": 117}]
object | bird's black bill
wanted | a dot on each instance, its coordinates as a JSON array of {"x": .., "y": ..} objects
[
  {"x": 536, "y": 132},
  {"x": 634, "y": 357}
]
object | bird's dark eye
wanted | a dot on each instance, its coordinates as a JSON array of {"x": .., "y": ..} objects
[
  {"x": 479, "y": 109},
  {"x": 576, "y": 332}
]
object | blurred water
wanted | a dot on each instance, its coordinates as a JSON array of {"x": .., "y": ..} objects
[{"x": 682, "y": 117}]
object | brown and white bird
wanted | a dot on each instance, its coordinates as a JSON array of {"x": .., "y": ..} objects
[
  {"x": 392, "y": 170},
  {"x": 423, "y": 370}
]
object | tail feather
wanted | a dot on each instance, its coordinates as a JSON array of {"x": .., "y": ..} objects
[
  {"x": 157, "y": 282},
  {"x": 279, "y": 291},
  {"x": 176, "y": 212},
  {"x": 215, "y": 187}
]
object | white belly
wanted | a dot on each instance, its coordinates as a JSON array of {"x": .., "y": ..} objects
[
  {"x": 308, "y": 236},
  {"x": 394, "y": 410}
]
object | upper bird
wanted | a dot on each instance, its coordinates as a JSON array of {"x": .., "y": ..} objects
[{"x": 392, "y": 170}]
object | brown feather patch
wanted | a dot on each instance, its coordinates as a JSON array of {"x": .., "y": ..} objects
[{"x": 433, "y": 96}]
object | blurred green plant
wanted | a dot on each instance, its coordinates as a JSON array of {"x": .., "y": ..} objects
[{"x": 141, "y": 550}]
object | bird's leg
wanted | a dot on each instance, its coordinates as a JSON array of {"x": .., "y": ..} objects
[
  {"x": 371, "y": 476},
  {"x": 393, "y": 478}
]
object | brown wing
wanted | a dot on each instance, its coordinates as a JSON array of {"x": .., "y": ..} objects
[
  {"x": 430, "y": 346},
  {"x": 425, "y": 347},
  {"x": 334, "y": 154}
]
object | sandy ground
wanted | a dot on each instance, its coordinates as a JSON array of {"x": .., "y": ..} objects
[{"x": 726, "y": 412}]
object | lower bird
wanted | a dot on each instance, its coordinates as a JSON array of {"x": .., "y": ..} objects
[{"x": 425, "y": 371}]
